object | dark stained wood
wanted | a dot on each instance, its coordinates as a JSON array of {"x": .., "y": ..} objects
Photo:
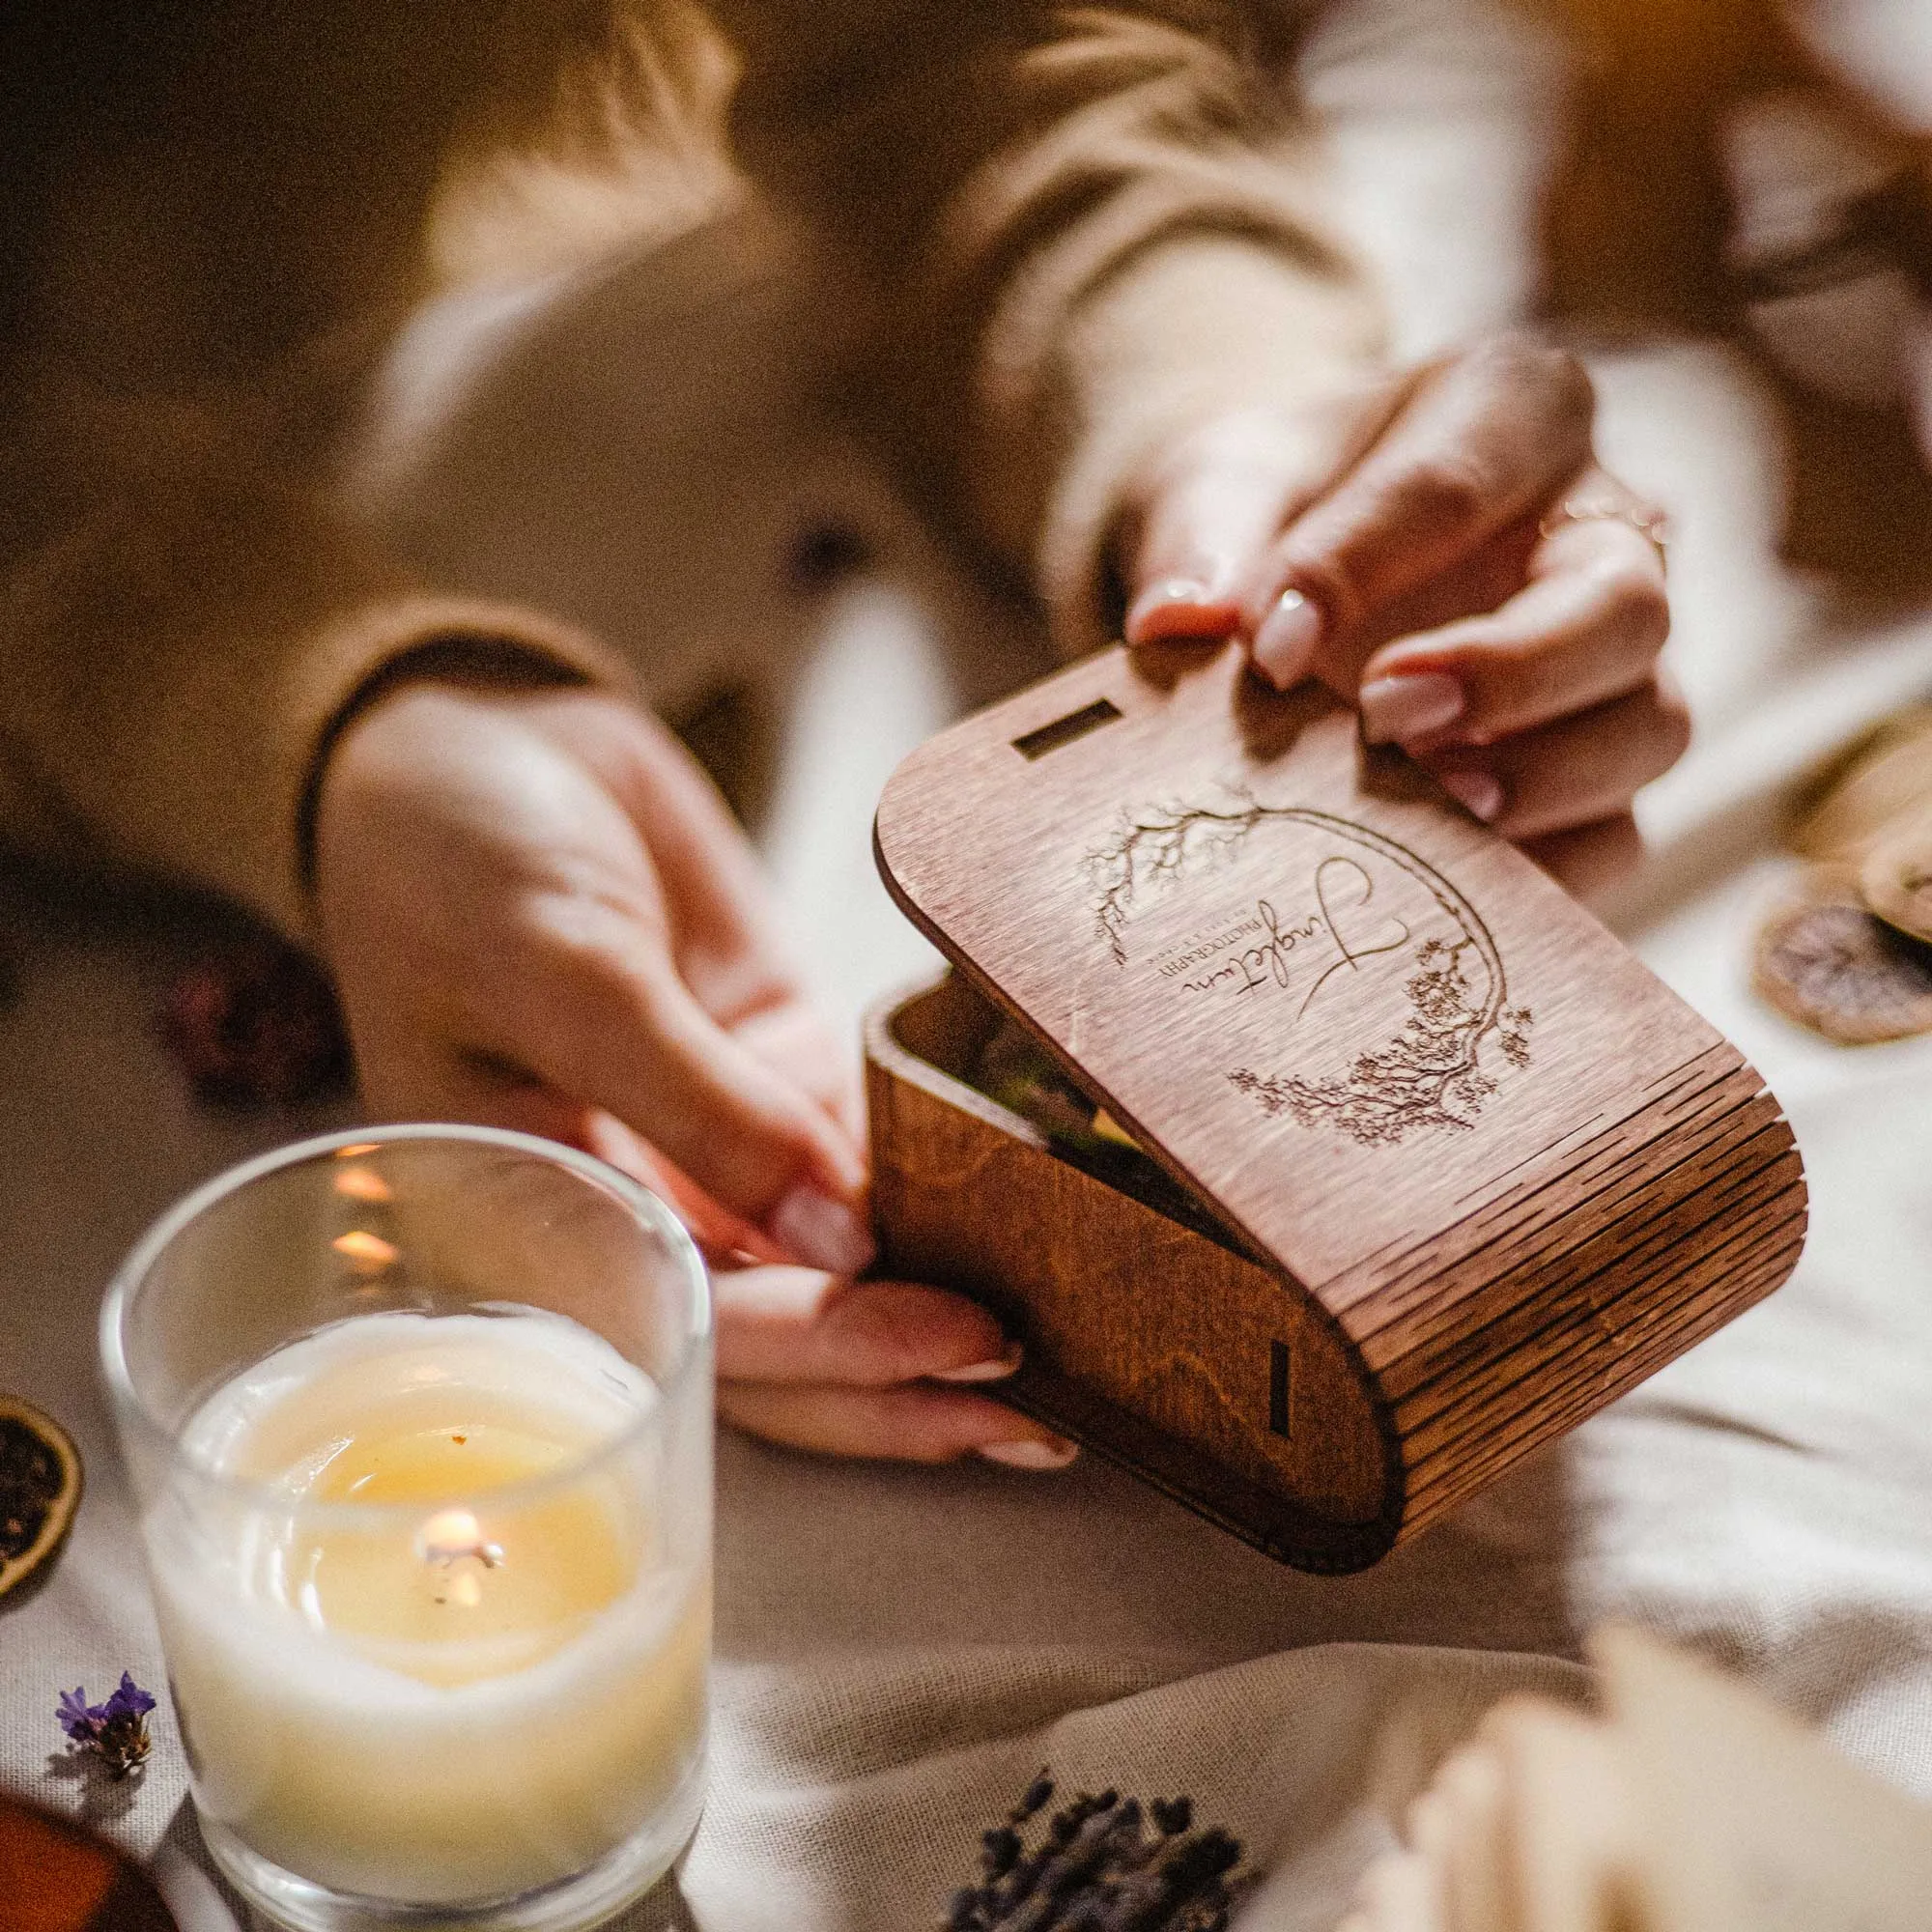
[
  {"x": 1147, "y": 1340},
  {"x": 1467, "y": 1170},
  {"x": 55, "y": 1876}
]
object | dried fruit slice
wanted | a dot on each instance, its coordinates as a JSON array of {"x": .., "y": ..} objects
[
  {"x": 1828, "y": 963},
  {"x": 1885, "y": 778},
  {"x": 39, "y": 1490},
  {"x": 1897, "y": 875}
]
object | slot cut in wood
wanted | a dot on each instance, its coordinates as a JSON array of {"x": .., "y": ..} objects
[
  {"x": 1076, "y": 725},
  {"x": 1278, "y": 1411}
]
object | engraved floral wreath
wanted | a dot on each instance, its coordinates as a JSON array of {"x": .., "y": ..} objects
[{"x": 1429, "y": 1078}]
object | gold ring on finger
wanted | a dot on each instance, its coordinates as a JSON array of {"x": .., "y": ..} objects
[{"x": 1653, "y": 526}]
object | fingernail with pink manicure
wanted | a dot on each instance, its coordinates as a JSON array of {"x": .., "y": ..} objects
[
  {"x": 1481, "y": 793},
  {"x": 820, "y": 1232},
  {"x": 997, "y": 1370},
  {"x": 1398, "y": 709},
  {"x": 1174, "y": 607},
  {"x": 1285, "y": 644},
  {"x": 1032, "y": 1454}
]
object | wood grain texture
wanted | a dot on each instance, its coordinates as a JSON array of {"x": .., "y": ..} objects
[
  {"x": 1147, "y": 1340},
  {"x": 1463, "y": 1164}
]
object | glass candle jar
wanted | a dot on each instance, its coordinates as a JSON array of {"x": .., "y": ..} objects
[{"x": 419, "y": 1423}]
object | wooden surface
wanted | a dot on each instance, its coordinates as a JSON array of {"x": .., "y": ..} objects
[
  {"x": 56, "y": 1876},
  {"x": 1470, "y": 1140}
]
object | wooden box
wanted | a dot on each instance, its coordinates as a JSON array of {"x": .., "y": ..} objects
[{"x": 1453, "y": 1170}]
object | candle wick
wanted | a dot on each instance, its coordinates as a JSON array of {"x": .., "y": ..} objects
[{"x": 454, "y": 1534}]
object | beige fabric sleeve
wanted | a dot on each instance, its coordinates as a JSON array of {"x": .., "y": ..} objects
[
  {"x": 171, "y": 673},
  {"x": 1084, "y": 228},
  {"x": 1057, "y": 238},
  {"x": 208, "y": 247}
]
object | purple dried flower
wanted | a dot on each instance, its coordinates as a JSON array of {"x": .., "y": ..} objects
[
  {"x": 75, "y": 1720},
  {"x": 117, "y": 1730}
]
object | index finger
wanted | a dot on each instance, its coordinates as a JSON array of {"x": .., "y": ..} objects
[{"x": 1480, "y": 445}]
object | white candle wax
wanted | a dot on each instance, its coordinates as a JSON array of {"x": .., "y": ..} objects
[{"x": 457, "y": 1664}]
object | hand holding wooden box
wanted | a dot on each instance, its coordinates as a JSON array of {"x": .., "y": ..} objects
[{"x": 1457, "y": 1169}]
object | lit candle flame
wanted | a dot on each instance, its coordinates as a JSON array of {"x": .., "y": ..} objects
[
  {"x": 452, "y": 1534},
  {"x": 364, "y": 1183}
]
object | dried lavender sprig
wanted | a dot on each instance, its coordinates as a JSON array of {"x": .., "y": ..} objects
[
  {"x": 1096, "y": 1869},
  {"x": 116, "y": 1729}
]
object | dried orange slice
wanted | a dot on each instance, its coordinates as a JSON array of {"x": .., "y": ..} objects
[
  {"x": 1881, "y": 781},
  {"x": 1826, "y": 962},
  {"x": 39, "y": 1490},
  {"x": 1896, "y": 874}
]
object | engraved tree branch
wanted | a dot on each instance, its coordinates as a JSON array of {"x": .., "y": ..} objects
[
  {"x": 1430, "y": 1075},
  {"x": 1157, "y": 847}
]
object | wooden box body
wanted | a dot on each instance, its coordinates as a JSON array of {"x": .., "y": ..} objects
[{"x": 1458, "y": 1170}]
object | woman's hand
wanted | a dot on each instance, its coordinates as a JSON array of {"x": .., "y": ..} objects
[
  {"x": 541, "y": 916},
  {"x": 1445, "y": 553}
]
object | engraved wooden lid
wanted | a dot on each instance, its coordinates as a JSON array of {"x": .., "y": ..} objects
[{"x": 1315, "y": 988}]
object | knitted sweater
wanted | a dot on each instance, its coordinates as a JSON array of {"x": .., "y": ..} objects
[{"x": 1055, "y": 238}]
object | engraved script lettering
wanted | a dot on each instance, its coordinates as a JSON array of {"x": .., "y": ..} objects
[
  {"x": 1335, "y": 872},
  {"x": 1420, "y": 966},
  {"x": 1323, "y": 942}
]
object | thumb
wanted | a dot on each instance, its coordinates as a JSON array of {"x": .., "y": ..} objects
[{"x": 1205, "y": 523}]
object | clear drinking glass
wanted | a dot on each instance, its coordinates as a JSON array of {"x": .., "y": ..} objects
[{"x": 419, "y": 1421}]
